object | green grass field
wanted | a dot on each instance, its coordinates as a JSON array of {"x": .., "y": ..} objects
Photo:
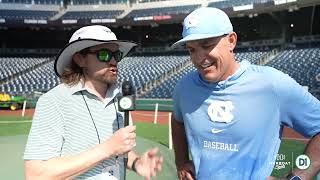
[
  {"x": 14, "y": 135},
  {"x": 159, "y": 132},
  {"x": 11, "y": 129},
  {"x": 288, "y": 152},
  {"x": 289, "y": 149}
]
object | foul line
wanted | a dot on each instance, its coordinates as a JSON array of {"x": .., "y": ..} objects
[
  {"x": 151, "y": 114},
  {"x": 299, "y": 139},
  {"x": 11, "y": 122}
]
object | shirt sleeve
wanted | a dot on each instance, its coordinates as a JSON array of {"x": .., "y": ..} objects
[
  {"x": 298, "y": 108},
  {"x": 176, "y": 105},
  {"x": 45, "y": 138}
]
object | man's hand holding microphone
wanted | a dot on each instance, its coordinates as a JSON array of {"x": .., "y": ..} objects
[{"x": 123, "y": 141}]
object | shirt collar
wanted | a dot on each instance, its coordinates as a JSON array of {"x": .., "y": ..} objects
[
  {"x": 78, "y": 87},
  {"x": 242, "y": 68},
  {"x": 111, "y": 93}
]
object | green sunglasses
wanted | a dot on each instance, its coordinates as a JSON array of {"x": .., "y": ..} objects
[{"x": 105, "y": 55}]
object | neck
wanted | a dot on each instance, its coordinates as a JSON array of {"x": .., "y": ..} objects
[
  {"x": 234, "y": 67},
  {"x": 97, "y": 88}
]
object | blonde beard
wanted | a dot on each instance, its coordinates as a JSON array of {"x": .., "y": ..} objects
[
  {"x": 104, "y": 79},
  {"x": 110, "y": 81}
]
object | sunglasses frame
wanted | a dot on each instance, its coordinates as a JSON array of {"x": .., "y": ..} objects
[{"x": 117, "y": 55}]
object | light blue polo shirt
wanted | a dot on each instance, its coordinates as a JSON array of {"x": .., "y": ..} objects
[
  {"x": 62, "y": 125},
  {"x": 234, "y": 127}
]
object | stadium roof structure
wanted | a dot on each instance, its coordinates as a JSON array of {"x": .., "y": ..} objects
[{"x": 129, "y": 13}]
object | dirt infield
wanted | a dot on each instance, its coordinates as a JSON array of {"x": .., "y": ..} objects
[
  {"x": 28, "y": 112},
  {"x": 148, "y": 116}
]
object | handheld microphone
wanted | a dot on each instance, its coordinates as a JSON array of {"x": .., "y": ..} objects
[
  {"x": 126, "y": 103},
  {"x": 127, "y": 88},
  {"x": 127, "y": 100}
]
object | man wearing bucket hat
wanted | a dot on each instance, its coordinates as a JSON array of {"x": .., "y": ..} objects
[
  {"x": 77, "y": 131},
  {"x": 230, "y": 115}
]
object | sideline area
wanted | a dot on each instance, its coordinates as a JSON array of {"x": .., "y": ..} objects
[{"x": 12, "y": 147}]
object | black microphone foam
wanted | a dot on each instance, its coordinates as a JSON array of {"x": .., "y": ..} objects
[{"x": 127, "y": 88}]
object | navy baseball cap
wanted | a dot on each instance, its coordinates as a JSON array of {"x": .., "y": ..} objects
[{"x": 202, "y": 23}]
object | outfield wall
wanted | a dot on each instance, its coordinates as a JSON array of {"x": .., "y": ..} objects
[{"x": 141, "y": 104}]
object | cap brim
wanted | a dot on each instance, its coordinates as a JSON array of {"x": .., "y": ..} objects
[
  {"x": 65, "y": 55},
  {"x": 193, "y": 37}
]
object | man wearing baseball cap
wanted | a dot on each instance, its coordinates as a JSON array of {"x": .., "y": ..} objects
[
  {"x": 77, "y": 131},
  {"x": 230, "y": 115}
]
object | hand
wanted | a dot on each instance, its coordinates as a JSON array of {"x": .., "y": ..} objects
[
  {"x": 121, "y": 142},
  {"x": 149, "y": 164},
  {"x": 186, "y": 171}
]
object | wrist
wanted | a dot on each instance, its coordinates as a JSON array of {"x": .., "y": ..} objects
[
  {"x": 291, "y": 176},
  {"x": 183, "y": 163},
  {"x": 134, "y": 163},
  {"x": 104, "y": 153}
]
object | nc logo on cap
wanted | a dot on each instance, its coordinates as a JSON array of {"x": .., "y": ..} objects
[{"x": 192, "y": 21}]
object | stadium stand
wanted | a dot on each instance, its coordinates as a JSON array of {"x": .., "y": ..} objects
[
  {"x": 166, "y": 87},
  {"x": 15, "y": 65},
  {"x": 162, "y": 11},
  {"x": 57, "y": 2},
  {"x": 26, "y": 14},
  {"x": 232, "y": 3},
  {"x": 86, "y": 2},
  {"x": 259, "y": 32},
  {"x": 302, "y": 64},
  {"x": 39, "y": 79},
  {"x": 92, "y": 14},
  {"x": 251, "y": 56},
  {"x": 22, "y": 12},
  {"x": 284, "y": 34},
  {"x": 14, "y": 1},
  {"x": 141, "y": 70},
  {"x": 220, "y": 4}
]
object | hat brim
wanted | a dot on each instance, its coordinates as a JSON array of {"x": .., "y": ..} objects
[
  {"x": 193, "y": 37},
  {"x": 63, "y": 60}
]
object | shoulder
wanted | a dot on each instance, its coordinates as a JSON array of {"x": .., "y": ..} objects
[
  {"x": 268, "y": 74},
  {"x": 57, "y": 93},
  {"x": 281, "y": 82},
  {"x": 264, "y": 70},
  {"x": 187, "y": 80}
]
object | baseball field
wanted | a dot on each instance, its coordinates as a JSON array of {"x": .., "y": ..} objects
[{"x": 14, "y": 129}]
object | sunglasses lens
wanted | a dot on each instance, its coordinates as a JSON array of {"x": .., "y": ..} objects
[
  {"x": 104, "y": 55},
  {"x": 118, "y": 56}
]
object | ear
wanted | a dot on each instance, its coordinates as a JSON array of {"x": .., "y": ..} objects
[
  {"x": 232, "y": 40},
  {"x": 79, "y": 60}
]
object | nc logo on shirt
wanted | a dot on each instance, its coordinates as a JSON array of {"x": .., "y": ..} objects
[{"x": 220, "y": 111}]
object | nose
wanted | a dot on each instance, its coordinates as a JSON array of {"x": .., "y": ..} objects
[
  {"x": 113, "y": 62},
  {"x": 200, "y": 55}
]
